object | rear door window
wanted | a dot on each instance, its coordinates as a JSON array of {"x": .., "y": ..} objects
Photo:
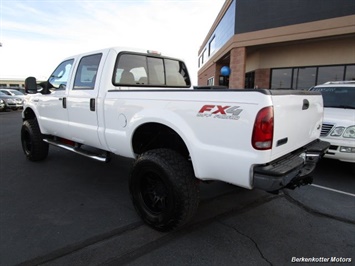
[{"x": 85, "y": 77}]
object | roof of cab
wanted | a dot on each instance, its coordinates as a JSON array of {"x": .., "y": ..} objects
[{"x": 117, "y": 49}]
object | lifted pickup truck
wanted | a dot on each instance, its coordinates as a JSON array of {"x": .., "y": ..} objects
[{"x": 141, "y": 105}]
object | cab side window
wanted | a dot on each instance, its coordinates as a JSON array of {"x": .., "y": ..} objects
[
  {"x": 85, "y": 76},
  {"x": 59, "y": 78}
]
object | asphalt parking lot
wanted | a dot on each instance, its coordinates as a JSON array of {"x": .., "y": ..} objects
[{"x": 71, "y": 210}]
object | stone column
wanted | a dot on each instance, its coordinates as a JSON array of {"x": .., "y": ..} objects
[
  {"x": 237, "y": 66},
  {"x": 262, "y": 78}
]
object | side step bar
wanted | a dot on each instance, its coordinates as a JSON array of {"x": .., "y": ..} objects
[{"x": 104, "y": 157}]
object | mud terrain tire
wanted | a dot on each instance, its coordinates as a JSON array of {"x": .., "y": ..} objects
[{"x": 163, "y": 189}]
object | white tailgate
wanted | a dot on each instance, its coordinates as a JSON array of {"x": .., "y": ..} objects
[{"x": 295, "y": 125}]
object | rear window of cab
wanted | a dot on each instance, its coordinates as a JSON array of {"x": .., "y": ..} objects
[{"x": 145, "y": 70}]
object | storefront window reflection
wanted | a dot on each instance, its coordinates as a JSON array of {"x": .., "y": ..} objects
[
  {"x": 350, "y": 72},
  {"x": 281, "y": 78},
  {"x": 303, "y": 78},
  {"x": 330, "y": 73}
]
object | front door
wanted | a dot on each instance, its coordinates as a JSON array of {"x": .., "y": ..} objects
[{"x": 53, "y": 115}]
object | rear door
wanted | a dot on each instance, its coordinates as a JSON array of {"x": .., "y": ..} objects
[
  {"x": 297, "y": 120},
  {"x": 82, "y": 100}
]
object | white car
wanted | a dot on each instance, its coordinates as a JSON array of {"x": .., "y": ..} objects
[{"x": 339, "y": 119}]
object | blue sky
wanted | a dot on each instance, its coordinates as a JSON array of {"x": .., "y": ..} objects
[{"x": 37, "y": 34}]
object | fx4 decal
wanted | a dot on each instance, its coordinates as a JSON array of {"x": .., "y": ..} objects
[{"x": 220, "y": 111}]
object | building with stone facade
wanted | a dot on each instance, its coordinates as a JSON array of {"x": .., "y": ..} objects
[{"x": 290, "y": 44}]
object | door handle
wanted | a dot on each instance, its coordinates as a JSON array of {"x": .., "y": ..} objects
[
  {"x": 64, "y": 102},
  {"x": 92, "y": 104},
  {"x": 305, "y": 105}
]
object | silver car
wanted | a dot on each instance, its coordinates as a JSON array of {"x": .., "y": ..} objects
[
  {"x": 13, "y": 92},
  {"x": 11, "y": 102},
  {"x": 2, "y": 105}
]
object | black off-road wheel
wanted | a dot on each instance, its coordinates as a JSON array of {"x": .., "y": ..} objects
[
  {"x": 33, "y": 145},
  {"x": 163, "y": 189}
]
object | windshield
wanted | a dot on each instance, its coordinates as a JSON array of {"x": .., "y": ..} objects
[
  {"x": 17, "y": 92},
  {"x": 338, "y": 97},
  {"x": 5, "y": 93}
]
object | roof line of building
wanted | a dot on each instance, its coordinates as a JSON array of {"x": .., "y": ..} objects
[{"x": 310, "y": 30}]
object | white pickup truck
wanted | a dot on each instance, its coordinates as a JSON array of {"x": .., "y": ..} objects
[{"x": 141, "y": 105}]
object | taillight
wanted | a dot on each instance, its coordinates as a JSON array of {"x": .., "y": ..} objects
[{"x": 263, "y": 132}]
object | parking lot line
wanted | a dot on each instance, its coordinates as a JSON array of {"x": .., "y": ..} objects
[{"x": 334, "y": 190}]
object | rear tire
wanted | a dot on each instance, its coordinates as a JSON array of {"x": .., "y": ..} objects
[
  {"x": 163, "y": 189},
  {"x": 33, "y": 145}
]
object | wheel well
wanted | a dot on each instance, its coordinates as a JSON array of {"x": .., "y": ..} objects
[
  {"x": 153, "y": 136},
  {"x": 29, "y": 114}
]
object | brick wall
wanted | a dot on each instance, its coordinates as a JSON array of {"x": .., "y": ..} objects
[
  {"x": 237, "y": 66},
  {"x": 262, "y": 78},
  {"x": 208, "y": 73}
]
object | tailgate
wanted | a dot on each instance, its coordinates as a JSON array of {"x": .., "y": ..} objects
[{"x": 297, "y": 120}]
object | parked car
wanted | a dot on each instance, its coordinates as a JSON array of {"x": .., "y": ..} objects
[
  {"x": 13, "y": 92},
  {"x": 2, "y": 105},
  {"x": 11, "y": 102},
  {"x": 339, "y": 119},
  {"x": 22, "y": 90}
]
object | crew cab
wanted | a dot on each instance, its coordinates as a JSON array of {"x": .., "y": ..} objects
[
  {"x": 339, "y": 119},
  {"x": 141, "y": 104}
]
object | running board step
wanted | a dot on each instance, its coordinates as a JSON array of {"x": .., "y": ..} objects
[{"x": 103, "y": 157}]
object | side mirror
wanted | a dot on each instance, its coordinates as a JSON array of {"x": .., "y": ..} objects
[{"x": 31, "y": 85}]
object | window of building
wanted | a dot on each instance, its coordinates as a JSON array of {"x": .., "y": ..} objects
[
  {"x": 304, "y": 78},
  {"x": 85, "y": 77},
  {"x": 221, "y": 35},
  {"x": 249, "y": 80},
  {"x": 212, "y": 46},
  {"x": 3, "y": 85},
  {"x": 330, "y": 73},
  {"x": 210, "y": 81},
  {"x": 350, "y": 72},
  {"x": 203, "y": 57},
  {"x": 281, "y": 78}
]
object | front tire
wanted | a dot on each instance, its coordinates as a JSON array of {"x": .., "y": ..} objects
[
  {"x": 33, "y": 145},
  {"x": 163, "y": 189}
]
